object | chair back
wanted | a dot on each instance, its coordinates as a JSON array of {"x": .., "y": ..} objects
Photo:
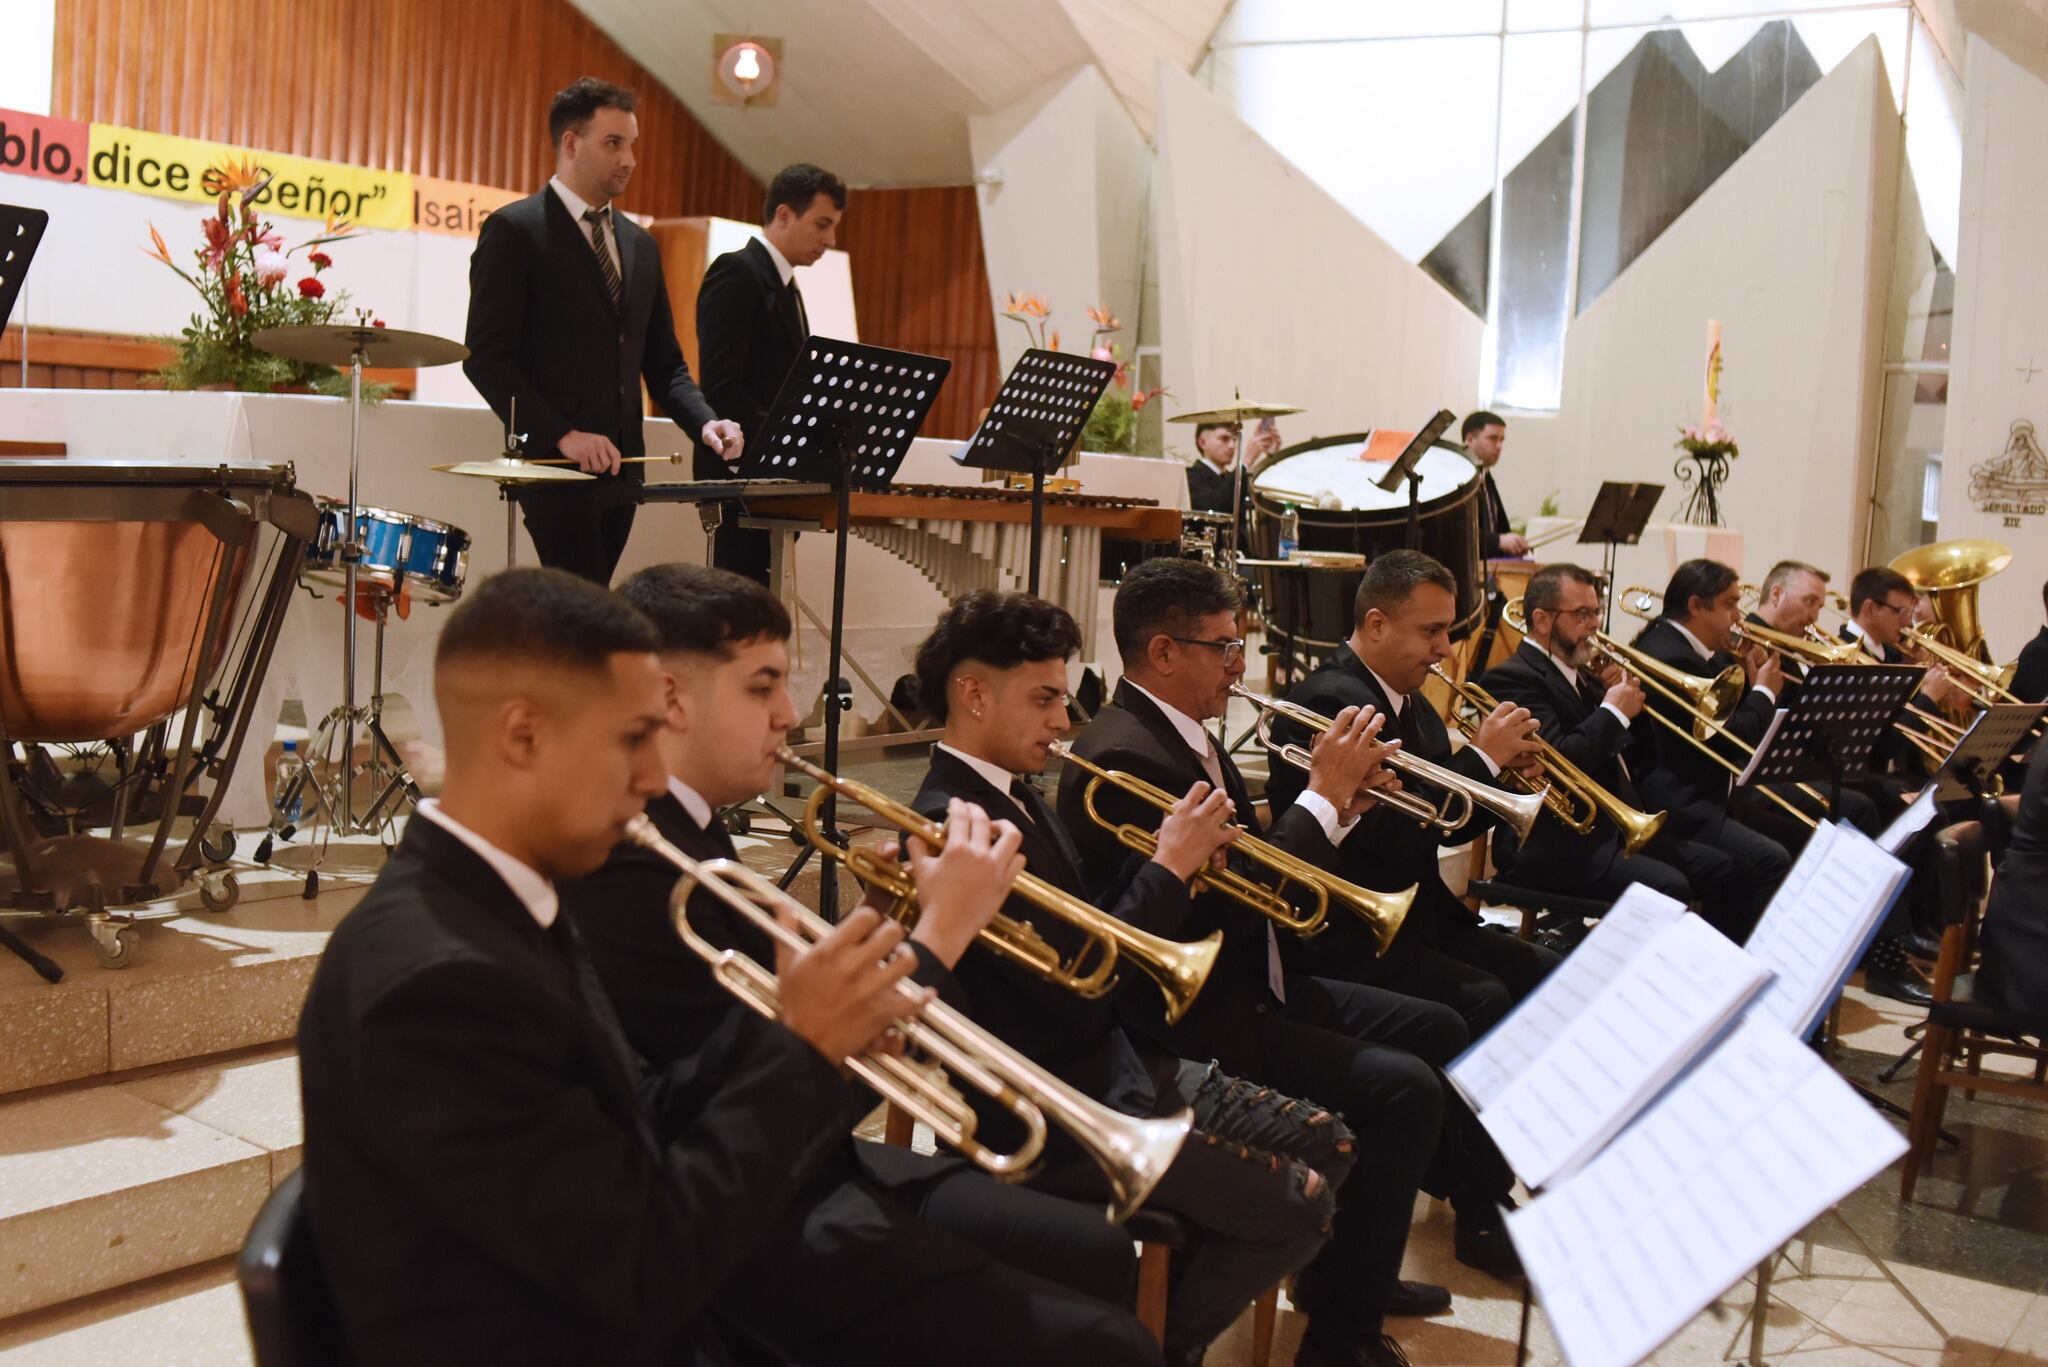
[
  {"x": 1962, "y": 870},
  {"x": 292, "y": 1319}
]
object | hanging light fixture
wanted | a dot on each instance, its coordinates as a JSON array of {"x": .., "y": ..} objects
[{"x": 745, "y": 69}]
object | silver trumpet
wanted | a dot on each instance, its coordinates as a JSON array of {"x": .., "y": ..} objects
[
  {"x": 1133, "y": 1153},
  {"x": 1517, "y": 811}
]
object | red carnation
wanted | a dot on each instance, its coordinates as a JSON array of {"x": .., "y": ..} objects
[
  {"x": 376, "y": 322},
  {"x": 321, "y": 260},
  {"x": 310, "y": 288},
  {"x": 238, "y": 302}
]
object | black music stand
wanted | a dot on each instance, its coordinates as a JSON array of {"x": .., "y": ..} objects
[
  {"x": 845, "y": 416},
  {"x": 1403, "y": 468},
  {"x": 2001, "y": 732},
  {"x": 1034, "y": 421},
  {"x": 1619, "y": 513},
  {"x": 21, "y": 232},
  {"x": 1833, "y": 727}
]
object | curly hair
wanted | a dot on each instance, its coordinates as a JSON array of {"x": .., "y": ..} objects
[{"x": 1001, "y": 630}]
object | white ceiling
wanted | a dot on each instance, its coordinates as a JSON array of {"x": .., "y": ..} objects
[{"x": 880, "y": 91}]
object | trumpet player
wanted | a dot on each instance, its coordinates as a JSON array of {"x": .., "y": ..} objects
[
  {"x": 1694, "y": 634},
  {"x": 490, "y": 1174},
  {"x": 1258, "y": 1180},
  {"x": 1590, "y": 710},
  {"x": 959, "y": 1258},
  {"x": 1400, "y": 627},
  {"x": 1368, "y": 1053}
]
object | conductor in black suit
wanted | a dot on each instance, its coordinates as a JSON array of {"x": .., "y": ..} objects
[
  {"x": 490, "y": 1174},
  {"x": 751, "y": 324},
  {"x": 957, "y": 1257},
  {"x": 1485, "y": 434},
  {"x": 568, "y": 313}
]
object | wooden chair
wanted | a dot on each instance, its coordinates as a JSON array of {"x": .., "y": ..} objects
[{"x": 1962, "y": 1030}]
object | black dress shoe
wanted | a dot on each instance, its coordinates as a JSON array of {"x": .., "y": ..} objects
[
  {"x": 1418, "y": 1298},
  {"x": 1923, "y": 946},
  {"x": 1900, "y": 987},
  {"x": 1481, "y": 1242},
  {"x": 1379, "y": 1352}
]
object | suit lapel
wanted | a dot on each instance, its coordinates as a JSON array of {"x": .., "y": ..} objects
[
  {"x": 568, "y": 238},
  {"x": 1570, "y": 702},
  {"x": 1185, "y": 761},
  {"x": 780, "y": 305},
  {"x": 1047, "y": 850}
]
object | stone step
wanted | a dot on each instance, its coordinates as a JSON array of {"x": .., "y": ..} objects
[
  {"x": 188, "y": 1318},
  {"x": 106, "y": 1185}
]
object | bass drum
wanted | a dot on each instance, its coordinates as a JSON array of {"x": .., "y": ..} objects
[{"x": 1339, "y": 506}]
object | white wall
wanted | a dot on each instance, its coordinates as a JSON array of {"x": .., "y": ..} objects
[
  {"x": 1999, "y": 351},
  {"x": 1268, "y": 285},
  {"x": 27, "y": 57},
  {"x": 1790, "y": 250}
]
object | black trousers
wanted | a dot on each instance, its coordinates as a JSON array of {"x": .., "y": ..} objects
[
  {"x": 1756, "y": 864},
  {"x": 1622, "y": 871},
  {"x": 1258, "y": 1179},
  {"x": 580, "y": 526},
  {"x": 743, "y": 550},
  {"x": 908, "y": 1258}
]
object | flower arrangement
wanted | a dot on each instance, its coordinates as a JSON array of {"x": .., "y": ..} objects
[
  {"x": 1707, "y": 439},
  {"x": 1113, "y": 425},
  {"x": 243, "y": 272},
  {"x": 1708, "y": 447}
]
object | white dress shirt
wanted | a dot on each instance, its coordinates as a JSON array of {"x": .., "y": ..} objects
[
  {"x": 995, "y": 775},
  {"x": 692, "y": 800},
  {"x": 576, "y": 206},
  {"x": 1699, "y": 648},
  {"x": 782, "y": 266},
  {"x": 1396, "y": 700},
  {"x": 533, "y": 890}
]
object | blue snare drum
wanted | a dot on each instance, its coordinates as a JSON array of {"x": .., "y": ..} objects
[
  {"x": 383, "y": 533},
  {"x": 436, "y": 560}
]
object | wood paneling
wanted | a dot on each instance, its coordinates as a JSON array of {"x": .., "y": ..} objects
[
  {"x": 59, "y": 358},
  {"x": 451, "y": 88},
  {"x": 920, "y": 283}
]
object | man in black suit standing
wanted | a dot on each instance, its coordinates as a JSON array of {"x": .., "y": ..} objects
[
  {"x": 1485, "y": 434},
  {"x": 490, "y": 1175},
  {"x": 2030, "y": 676},
  {"x": 751, "y": 324},
  {"x": 568, "y": 313},
  {"x": 957, "y": 1257},
  {"x": 1702, "y": 604},
  {"x": 2015, "y": 935}
]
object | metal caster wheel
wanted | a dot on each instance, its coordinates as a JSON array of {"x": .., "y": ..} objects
[
  {"x": 114, "y": 943},
  {"x": 219, "y": 891},
  {"x": 219, "y": 845}
]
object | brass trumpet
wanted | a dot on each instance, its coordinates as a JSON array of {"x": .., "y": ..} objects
[
  {"x": 1133, "y": 1153},
  {"x": 1517, "y": 811},
  {"x": 1179, "y": 969},
  {"x": 1571, "y": 795},
  {"x": 1382, "y": 911}
]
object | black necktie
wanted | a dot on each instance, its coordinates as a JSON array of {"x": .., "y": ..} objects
[
  {"x": 796, "y": 308},
  {"x": 600, "y": 221}
]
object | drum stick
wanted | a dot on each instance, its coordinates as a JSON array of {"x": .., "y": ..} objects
[{"x": 623, "y": 460}]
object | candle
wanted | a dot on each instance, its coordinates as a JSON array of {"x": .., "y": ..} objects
[{"x": 1710, "y": 409}]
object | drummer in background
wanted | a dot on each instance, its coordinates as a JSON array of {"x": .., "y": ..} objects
[
  {"x": 1212, "y": 479},
  {"x": 1485, "y": 433}
]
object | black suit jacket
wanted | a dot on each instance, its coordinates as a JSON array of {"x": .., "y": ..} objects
[
  {"x": 1078, "y": 1039},
  {"x": 1589, "y": 736},
  {"x": 2015, "y": 933},
  {"x": 2030, "y": 678},
  {"x": 542, "y": 330},
  {"x": 1210, "y": 490},
  {"x": 483, "y": 1174},
  {"x": 748, "y": 335},
  {"x": 1133, "y": 735},
  {"x": 1493, "y": 517},
  {"x": 1388, "y": 851},
  {"x": 1685, "y": 782}
]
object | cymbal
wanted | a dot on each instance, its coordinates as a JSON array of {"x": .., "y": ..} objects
[
  {"x": 512, "y": 471},
  {"x": 1241, "y": 411},
  {"x": 335, "y": 344}
]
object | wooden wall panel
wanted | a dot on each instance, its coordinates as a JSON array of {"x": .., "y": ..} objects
[
  {"x": 450, "y": 88},
  {"x": 920, "y": 283}
]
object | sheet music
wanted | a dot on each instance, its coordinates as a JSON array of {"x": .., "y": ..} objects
[
  {"x": 1908, "y": 823},
  {"x": 1763, "y": 747},
  {"x": 1816, "y": 926},
  {"x": 1755, "y": 1141},
  {"x": 1484, "y": 1071},
  {"x": 1642, "y": 1028}
]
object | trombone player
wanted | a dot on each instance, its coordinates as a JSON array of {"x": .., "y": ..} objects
[
  {"x": 958, "y": 1257},
  {"x": 1590, "y": 710},
  {"x": 1258, "y": 1180}
]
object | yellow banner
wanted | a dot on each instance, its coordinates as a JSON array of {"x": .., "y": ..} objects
[
  {"x": 300, "y": 187},
  {"x": 456, "y": 207}
]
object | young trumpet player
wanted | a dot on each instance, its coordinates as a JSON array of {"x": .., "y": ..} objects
[
  {"x": 1258, "y": 1179},
  {"x": 883, "y": 1255},
  {"x": 490, "y": 1175}
]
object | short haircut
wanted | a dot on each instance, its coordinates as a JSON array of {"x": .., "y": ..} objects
[
  {"x": 575, "y": 103},
  {"x": 704, "y": 611},
  {"x": 543, "y": 617},
  {"x": 1165, "y": 597},
  {"x": 1001, "y": 630},
  {"x": 1546, "y": 586},
  {"x": 1393, "y": 578},
  {"x": 1202, "y": 427},
  {"x": 1879, "y": 582},
  {"x": 1478, "y": 422},
  {"x": 1707, "y": 579},
  {"x": 1783, "y": 571},
  {"x": 797, "y": 186}
]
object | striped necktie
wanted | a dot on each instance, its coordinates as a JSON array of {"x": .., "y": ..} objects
[{"x": 600, "y": 221}]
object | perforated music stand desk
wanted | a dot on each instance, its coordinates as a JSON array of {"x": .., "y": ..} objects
[
  {"x": 845, "y": 416},
  {"x": 1619, "y": 513},
  {"x": 2002, "y": 731},
  {"x": 1832, "y": 729},
  {"x": 21, "y": 232},
  {"x": 1034, "y": 421},
  {"x": 1403, "y": 468}
]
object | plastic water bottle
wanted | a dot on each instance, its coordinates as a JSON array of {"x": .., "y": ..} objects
[
  {"x": 287, "y": 796},
  {"x": 1290, "y": 531}
]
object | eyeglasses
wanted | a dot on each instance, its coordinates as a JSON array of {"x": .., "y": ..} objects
[
  {"x": 1231, "y": 651},
  {"x": 1581, "y": 614},
  {"x": 1898, "y": 608}
]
